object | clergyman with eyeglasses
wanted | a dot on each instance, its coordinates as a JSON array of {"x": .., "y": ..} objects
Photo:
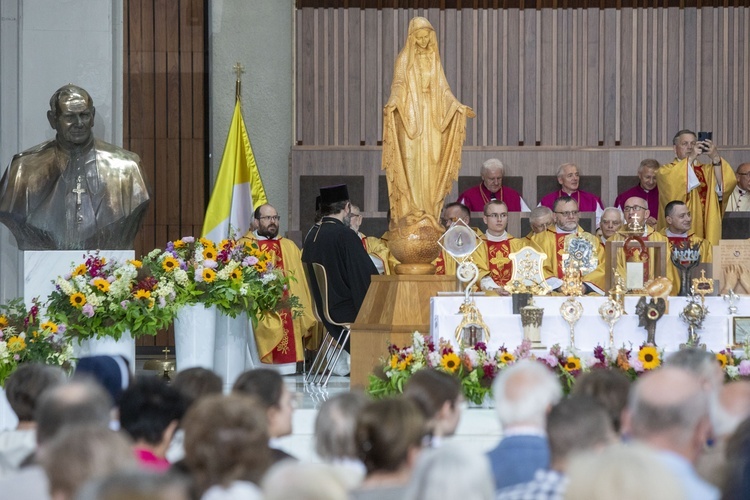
[
  {"x": 739, "y": 201},
  {"x": 279, "y": 335},
  {"x": 499, "y": 245},
  {"x": 552, "y": 242},
  {"x": 636, "y": 212}
]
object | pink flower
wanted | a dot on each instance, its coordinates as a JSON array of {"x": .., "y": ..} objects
[
  {"x": 636, "y": 364},
  {"x": 211, "y": 264},
  {"x": 188, "y": 239},
  {"x": 550, "y": 359},
  {"x": 745, "y": 367},
  {"x": 17, "y": 357},
  {"x": 88, "y": 310}
]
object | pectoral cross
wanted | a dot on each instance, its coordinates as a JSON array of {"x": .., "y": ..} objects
[{"x": 78, "y": 190}]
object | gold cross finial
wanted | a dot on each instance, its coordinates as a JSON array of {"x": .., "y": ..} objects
[
  {"x": 166, "y": 351},
  {"x": 239, "y": 69}
]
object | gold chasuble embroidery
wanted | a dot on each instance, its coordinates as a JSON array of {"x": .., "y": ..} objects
[{"x": 501, "y": 267}]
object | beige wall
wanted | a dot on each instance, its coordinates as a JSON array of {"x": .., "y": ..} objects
[{"x": 258, "y": 34}]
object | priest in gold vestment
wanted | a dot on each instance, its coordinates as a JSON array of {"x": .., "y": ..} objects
[
  {"x": 278, "y": 335},
  {"x": 705, "y": 189},
  {"x": 445, "y": 264},
  {"x": 376, "y": 248},
  {"x": 637, "y": 208},
  {"x": 552, "y": 242},
  {"x": 499, "y": 245},
  {"x": 678, "y": 232}
]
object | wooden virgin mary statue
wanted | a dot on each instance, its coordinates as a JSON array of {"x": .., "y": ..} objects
[{"x": 424, "y": 127}]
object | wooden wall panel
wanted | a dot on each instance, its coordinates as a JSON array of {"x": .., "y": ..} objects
[
  {"x": 552, "y": 77},
  {"x": 165, "y": 110}
]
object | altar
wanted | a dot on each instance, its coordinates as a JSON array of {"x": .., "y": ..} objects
[{"x": 505, "y": 327}]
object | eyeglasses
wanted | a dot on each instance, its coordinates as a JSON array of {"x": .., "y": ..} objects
[
  {"x": 633, "y": 208},
  {"x": 449, "y": 220},
  {"x": 356, "y": 215},
  {"x": 744, "y": 174},
  {"x": 568, "y": 214},
  {"x": 274, "y": 218},
  {"x": 497, "y": 216}
]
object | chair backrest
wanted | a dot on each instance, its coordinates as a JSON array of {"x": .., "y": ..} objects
[{"x": 322, "y": 278}]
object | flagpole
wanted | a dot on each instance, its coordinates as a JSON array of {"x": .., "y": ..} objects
[{"x": 239, "y": 69}]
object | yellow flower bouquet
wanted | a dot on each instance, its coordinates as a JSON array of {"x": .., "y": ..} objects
[
  {"x": 24, "y": 338},
  {"x": 233, "y": 277},
  {"x": 89, "y": 300}
]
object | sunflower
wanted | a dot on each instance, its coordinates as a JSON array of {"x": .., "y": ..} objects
[
  {"x": 450, "y": 362},
  {"x": 101, "y": 284},
  {"x": 179, "y": 244},
  {"x": 507, "y": 357},
  {"x": 403, "y": 365},
  {"x": 78, "y": 300},
  {"x": 394, "y": 361},
  {"x": 49, "y": 326},
  {"x": 81, "y": 270},
  {"x": 142, "y": 294},
  {"x": 206, "y": 242},
  {"x": 208, "y": 275},
  {"x": 649, "y": 356},
  {"x": 16, "y": 344},
  {"x": 722, "y": 359},
  {"x": 169, "y": 263},
  {"x": 3, "y": 321},
  {"x": 209, "y": 253},
  {"x": 572, "y": 364},
  {"x": 236, "y": 275},
  {"x": 136, "y": 263}
]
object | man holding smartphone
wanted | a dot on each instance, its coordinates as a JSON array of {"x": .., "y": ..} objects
[{"x": 704, "y": 188}]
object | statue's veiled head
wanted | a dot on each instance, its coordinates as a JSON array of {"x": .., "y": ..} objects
[{"x": 72, "y": 114}]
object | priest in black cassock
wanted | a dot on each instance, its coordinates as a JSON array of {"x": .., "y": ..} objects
[{"x": 334, "y": 245}]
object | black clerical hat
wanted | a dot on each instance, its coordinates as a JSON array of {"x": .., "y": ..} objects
[{"x": 332, "y": 194}]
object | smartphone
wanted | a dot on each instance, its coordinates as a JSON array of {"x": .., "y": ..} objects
[{"x": 702, "y": 136}]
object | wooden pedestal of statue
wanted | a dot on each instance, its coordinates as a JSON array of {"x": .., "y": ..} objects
[{"x": 394, "y": 308}]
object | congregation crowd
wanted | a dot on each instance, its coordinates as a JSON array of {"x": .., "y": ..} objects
[{"x": 678, "y": 432}]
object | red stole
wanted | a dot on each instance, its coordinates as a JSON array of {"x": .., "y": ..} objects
[
  {"x": 440, "y": 264},
  {"x": 559, "y": 251},
  {"x": 703, "y": 188},
  {"x": 286, "y": 350}
]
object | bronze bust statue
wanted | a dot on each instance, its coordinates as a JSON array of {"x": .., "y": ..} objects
[{"x": 74, "y": 192}]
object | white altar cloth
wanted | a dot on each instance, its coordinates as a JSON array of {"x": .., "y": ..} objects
[{"x": 590, "y": 331}]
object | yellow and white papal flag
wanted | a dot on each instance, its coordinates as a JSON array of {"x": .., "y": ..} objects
[{"x": 238, "y": 189}]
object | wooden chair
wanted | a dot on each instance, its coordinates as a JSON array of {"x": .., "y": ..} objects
[{"x": 330, "y": 350}]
